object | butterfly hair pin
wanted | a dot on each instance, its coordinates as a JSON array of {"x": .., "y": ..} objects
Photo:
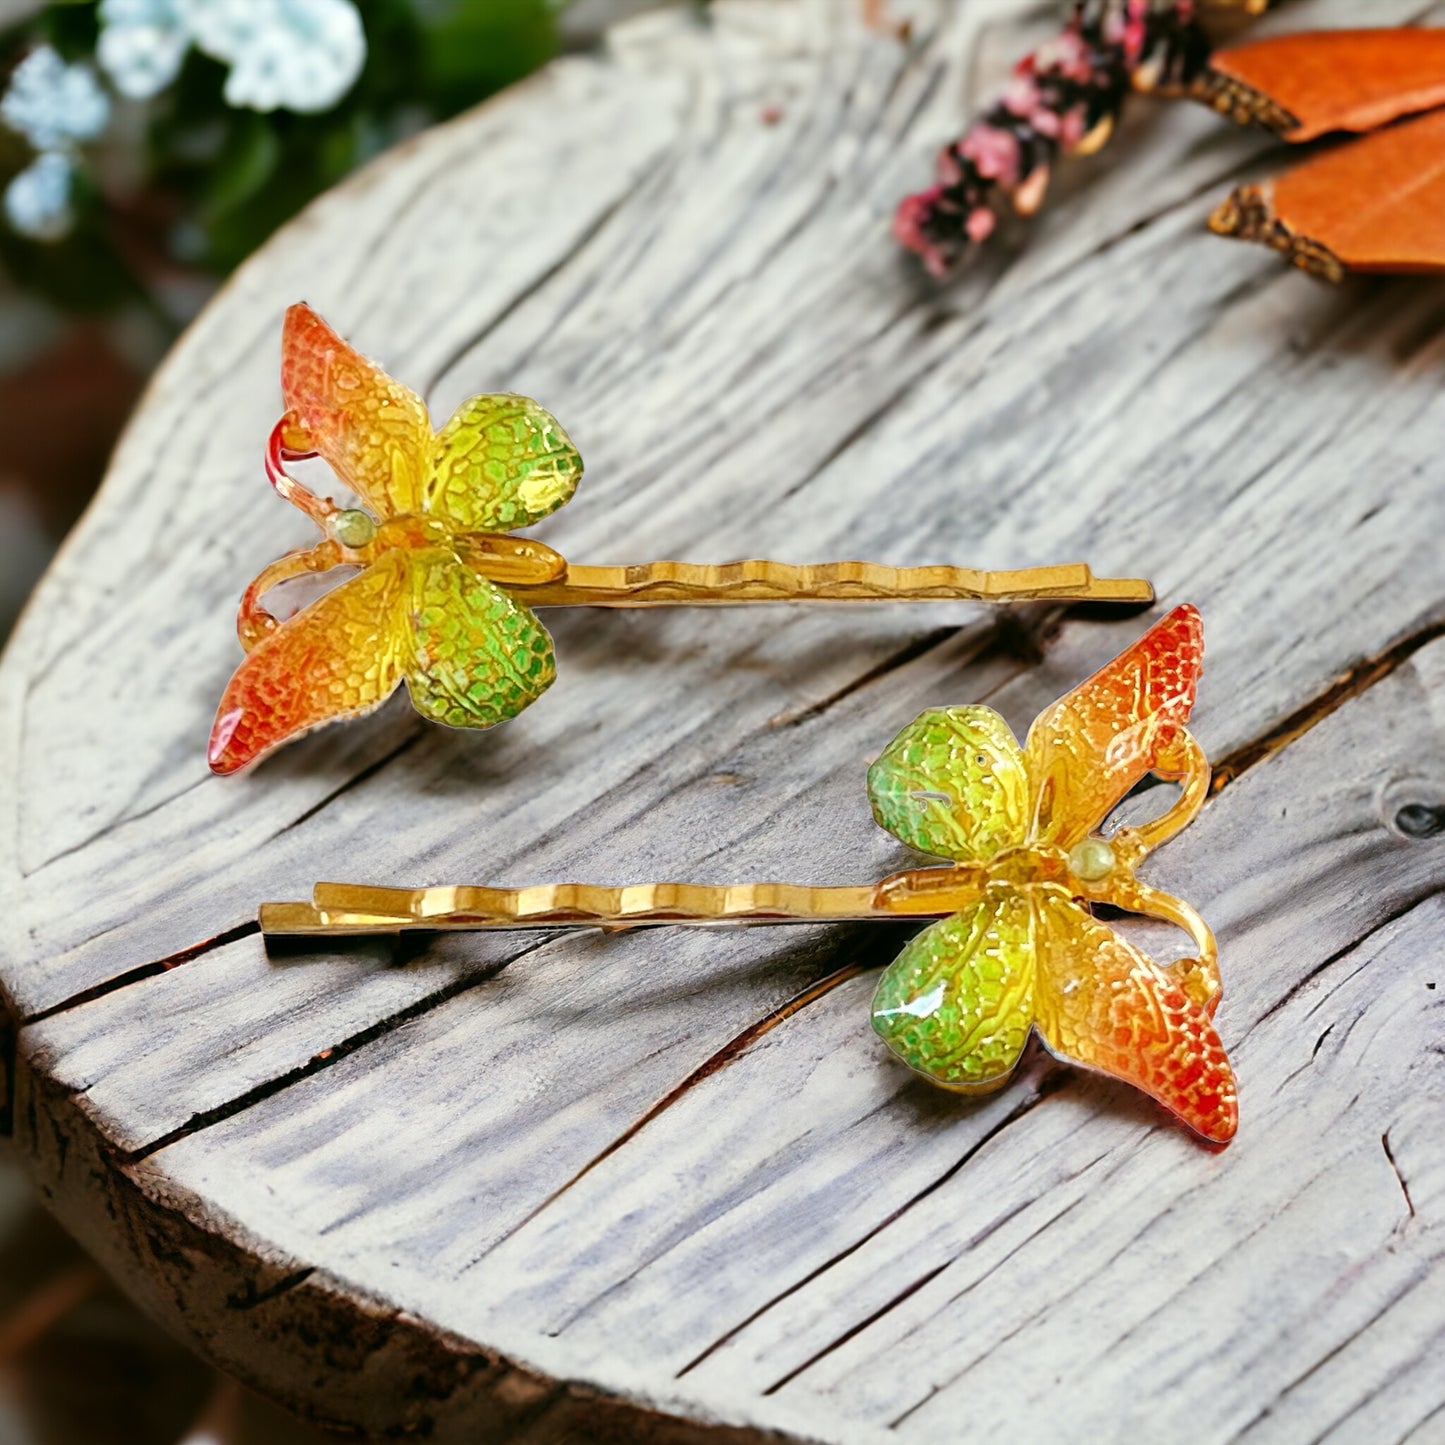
[
  {"x": 444, "y": 601},
  {"x": 1016, "y": 948}
]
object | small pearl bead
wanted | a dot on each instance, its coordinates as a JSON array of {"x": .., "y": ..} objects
[
  {"x": 1092, "y": 859},
  {"x": 353, "y": 528}
]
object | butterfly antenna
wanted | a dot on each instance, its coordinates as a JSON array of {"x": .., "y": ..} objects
[{"x": 277, "y": 455}]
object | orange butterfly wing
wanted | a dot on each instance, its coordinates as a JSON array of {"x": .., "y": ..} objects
[
  {"x": 1306, "y": 85},
  {"x": 1087, "y": 750},
  {"x": 1099, "y": 1002},
  {"x": 339, "y": 657},
  {"x": 374, "y": 432}
]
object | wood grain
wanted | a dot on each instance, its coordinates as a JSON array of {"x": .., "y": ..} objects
[{"x": 664, "y": 1186}]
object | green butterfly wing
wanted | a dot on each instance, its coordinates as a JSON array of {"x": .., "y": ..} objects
[
  {"x": 477, "y": 655},
  {"x": 500, "y": 463},
  {"x": 957, "y": 1004},
  {"x": 953, "y": 784}
]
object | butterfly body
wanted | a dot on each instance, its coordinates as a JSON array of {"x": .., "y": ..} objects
[
  {"x": 1023, "y": 953},
  {"x": 430, "y": 606}
]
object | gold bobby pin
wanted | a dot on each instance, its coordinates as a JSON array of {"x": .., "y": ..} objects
[
  {"x": 1017, "y": 947},
  {"x": 444, "y": 601}
]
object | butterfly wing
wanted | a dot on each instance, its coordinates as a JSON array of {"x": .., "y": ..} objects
[
  {"x": 338, "y": 658},
  {"x": 1098, "y": 1001},
  {"x": 372, "y": 430},
  {"x": 952, "y": 784},
  {"x": 957, "y": 1004},
  {"x": 1375, "y": 204},
  {"x": 1310, "y": 83},
  {"x": 1087, "y": 750},
  {"x": 475, "y": 656},
  {"x": 500, "y": 463}
]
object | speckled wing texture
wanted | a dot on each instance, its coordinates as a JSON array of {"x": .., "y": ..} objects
[
  {"x": 956, "y": 1005},
  {"x": 1087, "y": 750},
  {"x": 338, "y": 658},
  {"x": 373, "y": 431},
  {"x": 1100, "y": 1002},
  {"x": 477, "y": 656},
  {"x": 953, "y": 784},
  {"x": 500, "y": 463}
]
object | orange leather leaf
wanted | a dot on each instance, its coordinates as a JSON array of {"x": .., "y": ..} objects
[
  {"x": 1373, "y": 204},
  {"x": 1309, "y": 84}
]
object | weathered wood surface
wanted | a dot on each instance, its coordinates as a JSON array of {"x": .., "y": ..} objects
[{"x": 549, "y": 1188}]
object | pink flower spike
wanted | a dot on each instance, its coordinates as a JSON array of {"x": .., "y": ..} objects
[
  {"x": 1021, "y": 96},
  {"x": 980, "y": 224},
  {"x": 994, "y": 152},
  {"x": 909, "y": 217},
  {"x": 1134, "y": 31},
  {"x": 1068, "y": 54},
  {"x": 1046, "y": 122}
]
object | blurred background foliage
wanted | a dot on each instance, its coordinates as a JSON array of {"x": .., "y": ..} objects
[
  {"x": 171, "y": 193},
  {"x": 188, "y": 179},
  {"x": 178, "y": 186}
]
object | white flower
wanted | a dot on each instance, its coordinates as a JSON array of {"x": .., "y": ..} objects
[
  {"x": 53, "y": 104},
  {"x": 142, "y": 44},
  {"x": 37, "y": 201},
  {"x": 301, "y": 55}
]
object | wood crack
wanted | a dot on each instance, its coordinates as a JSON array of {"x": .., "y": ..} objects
[
  {"x": 249, "y": 1297},
  {"x": 415, "y": 736},
  {"x": 326, "y": 1058},
  {"x": 1023, "y": 634},
  {"x": 531, "y": 289},
  {"x": 1339, "y": 954},
  {"x": 1356, "y": 680},
  {"x": 1395, "y": 1170},
  {"x": 724, "y": 1056},
  {"x": 1050, "y": 1083},
  {"x": 863, "y": 1324},
  {"x": 1300, "y": 1379},
  {"x": 929, "y": 642},
  {"x": 144, "y": 971}
]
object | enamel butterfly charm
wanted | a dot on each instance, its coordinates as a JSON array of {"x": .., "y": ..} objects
[
  {"x": 445, "y": 596},
  {"x": 1017, "y": 948}
]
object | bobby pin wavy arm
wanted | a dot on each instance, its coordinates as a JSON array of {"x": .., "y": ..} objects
[
  {"x": 444, "y": 601},
  {"x": 1017, "y": 947}
]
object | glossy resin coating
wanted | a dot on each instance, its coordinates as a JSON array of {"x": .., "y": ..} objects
[
  {"x": 1025, "y": 953},
  {"x": 444, "y": 601},
  {"x": 1016, "y": 947},
  {"x": 424, "y": 609}
]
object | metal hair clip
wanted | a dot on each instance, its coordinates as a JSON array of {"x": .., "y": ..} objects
[
  {"x": 1017, "y": 947},
  {"x": 445, "y": 599}
]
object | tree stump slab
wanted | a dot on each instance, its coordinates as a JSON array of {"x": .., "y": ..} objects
[{"x": 665, "y": 1185}]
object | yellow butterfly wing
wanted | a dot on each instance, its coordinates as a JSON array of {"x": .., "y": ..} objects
[
  {"x": 338, "y": 658},
  {"x": 477, "y": 656},
  {"x": 1098, "y": 1001},
  {"x": 957, "y": 1004},
  {"x": 500, "y": 463},
  {"x": 373, "y": 431},
  {"x": 1085, "y": 752},
  {"x": 953, "y": 784}
]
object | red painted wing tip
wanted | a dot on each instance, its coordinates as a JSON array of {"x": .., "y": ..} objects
[
  {"x": 1219, "y": 1132},
  {"x": 306, "y": 331},
  {"x": 301, "y": 314},
  {"x": 225, "y": 753},
  {"x": 1184, "y": 620}
]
